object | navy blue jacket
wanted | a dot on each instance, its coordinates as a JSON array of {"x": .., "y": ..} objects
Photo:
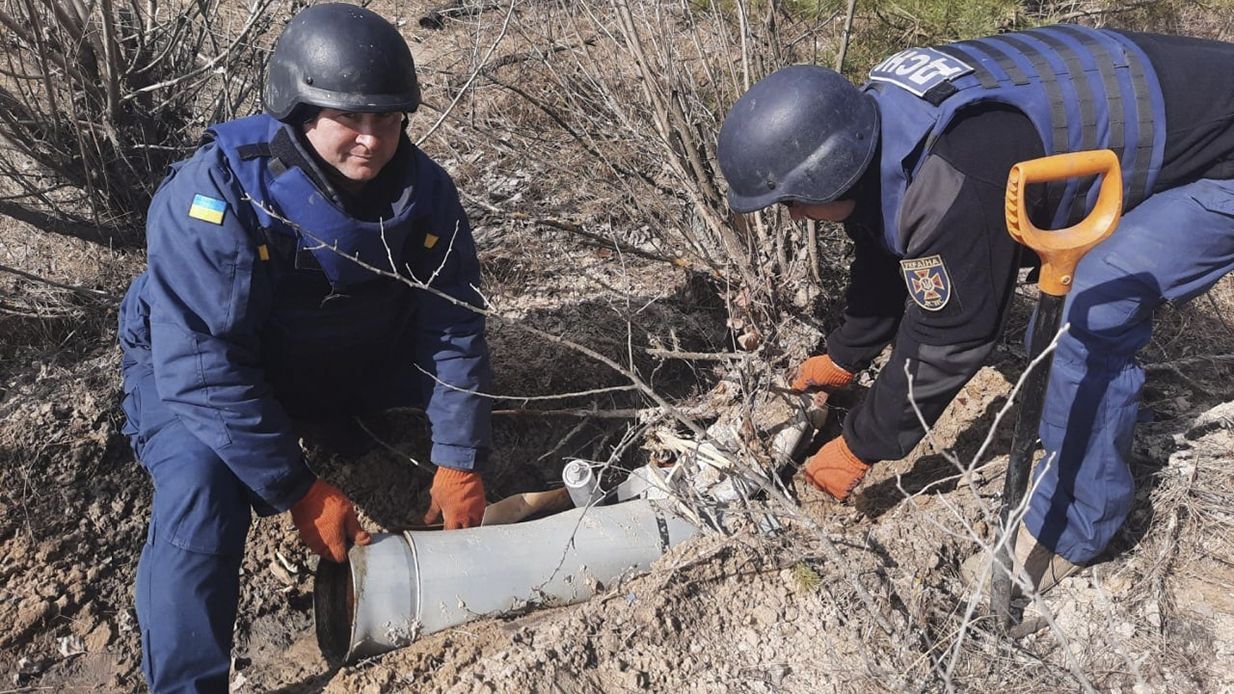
[
  {"x": 250, "y": 312},
  {"x": 934, "y": 269}
]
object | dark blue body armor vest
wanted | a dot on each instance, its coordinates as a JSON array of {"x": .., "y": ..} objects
[
  {"x": 287, "y": 201},
  {"x": 1082, "y": 89},
  {"x": 331, "y": 317}
]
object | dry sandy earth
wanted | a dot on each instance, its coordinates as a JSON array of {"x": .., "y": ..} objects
[
  {"x": 886, "y": 610},
  {"x": 746, "y": 613}
]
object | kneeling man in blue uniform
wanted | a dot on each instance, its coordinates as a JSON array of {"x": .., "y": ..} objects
[
  {"x": 915, "y": 164},
  {"x": 269, "y": 298}
]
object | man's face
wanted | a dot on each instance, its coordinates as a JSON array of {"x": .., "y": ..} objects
[
  {"x": 837, "y": 211},
  {"x": 357, "y": 144}
]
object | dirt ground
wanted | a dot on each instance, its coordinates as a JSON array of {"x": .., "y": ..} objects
[
  {"x": 865, "y": 596},
  {"x": 742, "y": 613}
]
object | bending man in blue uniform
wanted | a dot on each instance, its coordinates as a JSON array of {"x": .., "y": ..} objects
[
  {"x": 915, "y": 163},
  {"x": 269, "y": 298}
]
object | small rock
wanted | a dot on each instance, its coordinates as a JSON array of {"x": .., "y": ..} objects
[
  {"x": 766, "y": 615},
  {"x": 97, "y": 640},
  {"x": 127, "y": 621},
  {"x": 776, "y": 674},
  {"x": 1118, "y": 584},
  {"x": 31, "y": 612},
  {"x": 51, "y": 589},
  {"x": 1152, "y": 616}
]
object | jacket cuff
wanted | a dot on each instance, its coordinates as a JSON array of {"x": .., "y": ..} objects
[
  {"x": 288, "y": 490},
  {"x": 847, "y": 363},
  {"x": 459, "y": 457},
  {"x": 850, "y": 458},
  {"x": 853, "y": 445}
]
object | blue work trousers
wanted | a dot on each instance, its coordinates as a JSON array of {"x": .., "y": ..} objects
[
  {"x": 188, "y": 579},
  {"x": 1172, "y": 247}
]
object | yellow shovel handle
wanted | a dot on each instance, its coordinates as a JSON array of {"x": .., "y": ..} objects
[{"x": 1061, "y": 249}]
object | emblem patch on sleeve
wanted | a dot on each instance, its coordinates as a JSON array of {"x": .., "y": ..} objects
[
  {"x": 928, "y": 282},
  {"x": 207, "y": 209},
  {"x": 919, "y": 69}
]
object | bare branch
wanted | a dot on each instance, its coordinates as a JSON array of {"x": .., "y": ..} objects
[{"x": 84, "y": 291}]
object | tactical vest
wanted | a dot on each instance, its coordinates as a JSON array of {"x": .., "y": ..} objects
[
  {"x": 287, "y": 201},
  {"x": 332, "y": 319},
  {"x": 1082, "y": 89}
]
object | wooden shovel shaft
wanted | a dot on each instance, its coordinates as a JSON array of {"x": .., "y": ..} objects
[
  {"x": 1060, "y": 252},
  {"x": 1023, "y": 443}
]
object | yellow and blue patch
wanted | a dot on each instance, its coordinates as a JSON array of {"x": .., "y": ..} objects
[
  {"x": 928, "y": 282},
  {"x": 207, "y": 209}
]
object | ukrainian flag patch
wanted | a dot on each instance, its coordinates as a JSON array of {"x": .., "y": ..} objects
[{"x": 207, "y": 209}]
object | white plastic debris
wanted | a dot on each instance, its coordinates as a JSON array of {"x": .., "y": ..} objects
[{"x": 70, "y": 646}]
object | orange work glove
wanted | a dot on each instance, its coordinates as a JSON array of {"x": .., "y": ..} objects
[
  {"x": 835, "y": 470},
  {"x": 820, "y": 372},
  {"x": 459, "y": 496},
  {"x": 327, "y": 522}
]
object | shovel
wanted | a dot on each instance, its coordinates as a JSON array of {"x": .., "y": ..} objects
[{"x": 1060, "y": 251}]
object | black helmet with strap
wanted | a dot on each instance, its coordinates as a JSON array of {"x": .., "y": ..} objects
[
  {"x": 343, "y": 57},
  {"x": 802, "y": 134}
]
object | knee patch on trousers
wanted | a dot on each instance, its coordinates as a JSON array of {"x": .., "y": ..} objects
[
  {"x": 1111, "y": 305},
  {"x": 199, "y": 505}
]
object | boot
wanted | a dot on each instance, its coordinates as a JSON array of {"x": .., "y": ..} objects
[{"x": 1045, "y": 569}]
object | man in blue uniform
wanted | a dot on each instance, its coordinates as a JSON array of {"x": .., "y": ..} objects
[
  {"x": 915, "y": 163},
  {"x": 272, "y": 296}
]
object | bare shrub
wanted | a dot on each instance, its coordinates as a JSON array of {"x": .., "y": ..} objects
[
  {"x": 606, "y": 114},
  {"x": 617, "y": 105},
  {"x": 97, "y": 98}
]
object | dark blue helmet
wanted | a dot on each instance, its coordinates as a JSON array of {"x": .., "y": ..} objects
[
  {"x": 340, "y": 56},
  {"x": 803, "y": 134}
]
